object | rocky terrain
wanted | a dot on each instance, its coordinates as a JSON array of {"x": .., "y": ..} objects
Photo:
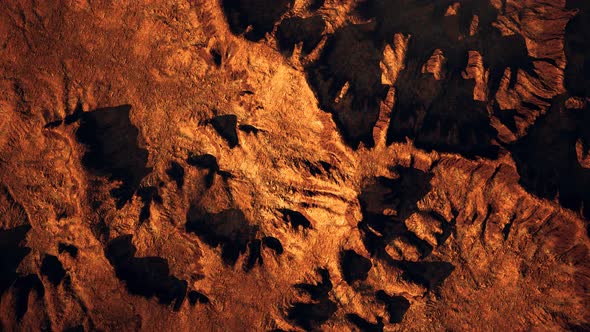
[{"x": 292, "y": 165}]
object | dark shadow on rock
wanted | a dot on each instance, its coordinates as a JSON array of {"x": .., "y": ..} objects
[
  {"x": 145, "y": 276},
  {"x": 273, "y": 243},
  {"x": 205, "y": 161},
  {"x": 225, "y": 175},
  {"x": 577, "y": 50},
  {"x": 400, "y": 195},
  {"x": 71, "y": 249},
  {"x": 248, "y": 129},
  {"x": 261, "y": 15},
  {"x": 396, "y": 306},
  {"x": 176, "y": 173},
  {"x": 437, "y": 114},
  {"x": 507, "y": 117},
  {"x": 311, "y": 316},
  {"x": 583, "y": 327},
  {"x": 364, "y": 325},
  {"x": 295, "y": 219},
  {"x": 52, "y": 268},
  {"x": 112, "y": 149},
  {"x": 225, "y": 125},
  {"x": 354, "y": 266},
  {"x": 442, "y": 115},
  {"x": 457, "y": 123},
  {"x": 229, "y": 229},
  {"x": 75, "y": 114},
  {"x": 12, "y": 252},
  {"x": 216, "y": 57},
  {"x": 22, "y": 288},
  {"x": 447, "y": 228},
  {"x": 77, "y": 328},
  {"x": 431, "y": 29},
  {"x": 296, "y": 30},
  {"x": 100, "y": 229},
  {"x": 148, "y": 195},
  {"x": 350, "y": 57},
  {"x": 254, "y": 255},
  {"x": 53, "y": 124},
  {"x": 315, "y": 5},
  {"x": 501, "y": 52},
  {"x": 313, "y": 169},
  {"x": 195, "y": 297},
  {"x": 547, "y": 160},
  {"x": 319, "y": 290},
  {"x": 428, "y": 274}
]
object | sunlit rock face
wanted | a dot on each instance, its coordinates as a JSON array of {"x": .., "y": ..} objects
[{"x": 294, "y": 165}]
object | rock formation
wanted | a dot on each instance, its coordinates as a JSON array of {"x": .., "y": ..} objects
[{"x": 293, "y": 165}]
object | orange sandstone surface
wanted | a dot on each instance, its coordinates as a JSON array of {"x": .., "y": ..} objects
[{"x": 293, "y": 165}]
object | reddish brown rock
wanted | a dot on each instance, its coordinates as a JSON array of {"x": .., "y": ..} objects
[{"x": 294, "y": 165}]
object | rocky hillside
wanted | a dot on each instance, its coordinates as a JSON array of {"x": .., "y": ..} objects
[{"x": 293, "y": 165}]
